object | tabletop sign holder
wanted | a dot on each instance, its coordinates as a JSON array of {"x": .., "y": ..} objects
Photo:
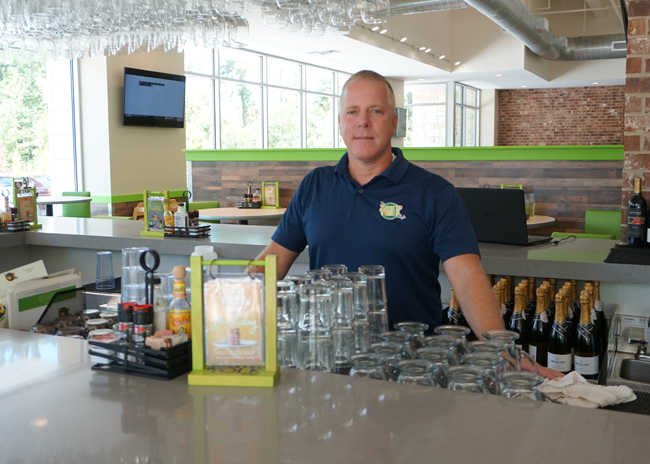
[
  {"x": 270, "y": 195},
  {"x": 234, "y": 376},
  {"x": 25, "y": 203},
  {"x": 154, "y": 222}
]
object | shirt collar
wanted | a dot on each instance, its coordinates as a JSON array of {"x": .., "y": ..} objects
[{"x": 394, "y": 172}]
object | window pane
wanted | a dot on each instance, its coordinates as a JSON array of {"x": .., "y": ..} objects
[
  {"x": 431, "y": 93},
  {"x": 319, "y": 121},
  {"x": 240, "y": 115},
  {"x": 470, "y": 127},
  {"x": 198, "y": 60},
  {"x": 458, "y": 132},
  {"x": 470, "y": 97},
  {"x": 199, "y": 114},
  {"x": 343, "y": 78},
  {"x": 239, "y": 65},
  {"x": 284, "y": 118},
  {"x": 320, "y": 80},
  {"x": 426, "y": 126},
  {"x": 459, "y": 93},
  {"x": 283, "y": 73},
  {"x": 339, "y": 140}
]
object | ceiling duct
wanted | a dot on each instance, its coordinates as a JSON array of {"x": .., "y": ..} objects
[
  {"x": 515, "y": 18},
  {"x": 404, "y": 7}
]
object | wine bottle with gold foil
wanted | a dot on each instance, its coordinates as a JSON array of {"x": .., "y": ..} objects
[
  {"x": 518, "y": 319},
  {"x": 538, "y": 338},
  {"x": 453, "y": 314},
  {"x": 560, "y": 349},
  {"x": 587, "y": 347},
  {"x": 532, "y": 302}
]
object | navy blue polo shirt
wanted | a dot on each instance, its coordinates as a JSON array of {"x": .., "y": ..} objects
[{"x": 406, "y": 219}]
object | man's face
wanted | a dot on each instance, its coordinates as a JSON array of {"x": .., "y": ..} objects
[{"x": 367, "y": 121}]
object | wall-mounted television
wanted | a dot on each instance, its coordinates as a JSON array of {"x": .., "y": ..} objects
[{"x": 153, "y": 99}]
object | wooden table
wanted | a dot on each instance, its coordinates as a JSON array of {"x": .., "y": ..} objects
[
  {"x": 49, "y": 201},
  {"x": 240, "y": 214},
  {"x": 539, "y": 222}
]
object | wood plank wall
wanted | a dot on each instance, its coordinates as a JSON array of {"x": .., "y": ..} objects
[{"x": 563, "y": 189}]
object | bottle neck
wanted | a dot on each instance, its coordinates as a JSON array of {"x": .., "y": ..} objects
[
  {"x": 584, "y": 311},
  {"x": 560, "y": 311},
  {"x": 637, "y": 186},
  {"x": 179, "y": 289}
]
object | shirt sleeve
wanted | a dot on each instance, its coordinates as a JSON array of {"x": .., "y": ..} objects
[
  {"x": 290, "y": 233},
  {"x": 452, "y": 234}
]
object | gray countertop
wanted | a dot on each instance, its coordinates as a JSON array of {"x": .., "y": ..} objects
[
  {"x": 574, "y": 259},
  {"x": 56, "y": 410}
]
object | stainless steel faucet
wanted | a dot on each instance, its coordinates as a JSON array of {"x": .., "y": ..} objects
[{"x": 641, "y": 352}]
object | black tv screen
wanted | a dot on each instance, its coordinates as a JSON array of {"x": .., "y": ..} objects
[{"x": 153, "y": 99}]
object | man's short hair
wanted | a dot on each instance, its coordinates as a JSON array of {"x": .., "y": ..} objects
[{"x": 367, "y": 75}]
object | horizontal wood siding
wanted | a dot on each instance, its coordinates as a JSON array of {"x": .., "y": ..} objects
[{"x": 563, "y": 189}]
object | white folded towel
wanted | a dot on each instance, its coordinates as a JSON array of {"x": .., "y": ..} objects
[{"x": 575, "y": 390}]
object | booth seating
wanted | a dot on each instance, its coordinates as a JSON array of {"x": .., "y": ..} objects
[
  {"x": 79, "y": 210},
  {"x": 599, "y": 224}
]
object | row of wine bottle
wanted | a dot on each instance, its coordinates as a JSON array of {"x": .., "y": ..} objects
[{"x": 559, "y": 329}]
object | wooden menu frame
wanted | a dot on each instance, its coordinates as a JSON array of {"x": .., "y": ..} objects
[{"x": 270, "y": 195}]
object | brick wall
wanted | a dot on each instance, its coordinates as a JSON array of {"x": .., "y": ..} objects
[
  {"x": 637, "y": 102},
  {"x": 567, "y": 116}
]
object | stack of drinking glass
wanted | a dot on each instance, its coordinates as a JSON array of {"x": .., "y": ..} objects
[{"x": 331, "y": 320}]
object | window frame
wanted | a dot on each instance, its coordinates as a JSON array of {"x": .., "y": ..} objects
[{"x": 463, "y": 107}]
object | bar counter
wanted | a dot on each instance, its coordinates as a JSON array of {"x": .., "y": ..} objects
[{"x": 55, "y": 409}]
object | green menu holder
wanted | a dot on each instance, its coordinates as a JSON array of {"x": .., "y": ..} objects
[
  {"x": 270, "y": 195},
  {"x": 234, "y": 376},
  {"x": 154, "y": 221},
  {"x": 25, "y": 203}
]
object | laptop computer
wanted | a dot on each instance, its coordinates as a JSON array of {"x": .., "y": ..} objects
[{"x": 499, "y": 216}]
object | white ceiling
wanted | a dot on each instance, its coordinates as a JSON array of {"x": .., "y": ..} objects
[{"x": 464, "y": 35}]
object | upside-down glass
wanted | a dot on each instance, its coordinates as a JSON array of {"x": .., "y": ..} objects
[
  {"x": 509, "y": 338},
  {"x": 491, "y": 363},
  {"x": 491, "y": 346},
  {"x": 360, "y": 311},
  {"x": 104, "y": 279},
  {"x": 315, "y": 344},
  {"x": 133, "y": 276},
  {"x": 443, "y": 358},
  {"x": 336, "y": 268},
  {"x": 456, "y": 331},
  {"x": 287, "y": 317},
  {"x": 521, "y": 385},
  {"x": 403, "y": 338},
  {"x": 319, "y": 274},
  {"x": 393, "y": 354},
  {"x": 466, "y": 378},
  {"x": 418, "y": 372},
  {"x": 368, "y": 365},
  {"x": 447, "y": 342},
  {"x": 416, "y": 329},
  {"x": 377, "y": 315},
  {"x": 342, "y": 318}
]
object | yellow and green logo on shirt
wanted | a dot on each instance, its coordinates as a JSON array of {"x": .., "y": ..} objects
[{"x": 391, "y": 211}]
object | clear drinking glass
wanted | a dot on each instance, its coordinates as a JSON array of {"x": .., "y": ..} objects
[
  {"x": 418, "y": 372},
  {"x": 491, "y": 363},
  {"x": 360, "y": 311},
  {"x": 466, "y": 378},
  {"x": 315, "y": 344},
  {"x": 319, "y": 274},
  {"x": 393, "y": 354},
  {"x": 416, "y": 329},
  {"x": 368, "y": 365},
  {"x": 336, "y": 269},
  {"x": 316, "y": 350},
  {"x": 133, "y": 276},
  {"x": 403, "y": 338},
  {"x": 341, "y": 291},
  {"x": 287, "y": 304},
  {"x": 456, "y": 331},
  {"x": 377, "y": 315},
  {"x": 509, "y": 338},
  {"x": 447, "y": 342},
  {"x": 521, "y": 385},
  {"x": 443, "y": 358},
  {"x": 315, "y": 307},
  {"x": 287, "y": 347},
  {"x": 104, "y": 280},
  {"x": 492, "y": 346}
]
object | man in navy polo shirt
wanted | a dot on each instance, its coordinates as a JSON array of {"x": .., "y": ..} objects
[{"x": 374, "y": 207}]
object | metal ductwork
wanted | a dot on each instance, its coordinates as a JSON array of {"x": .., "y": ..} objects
[
  {"x": 404, "y": 7},
  {"x": 518, "y": 21}
]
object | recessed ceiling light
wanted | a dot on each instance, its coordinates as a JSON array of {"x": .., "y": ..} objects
[
  {"x": 403, "y": 39},
  {"x": 456, "y": 63},
  {"x": 499, "y": 75},
  {"x": 427, "y": 50},
  {"x": 422, "y": 48},
  {"x": 524, "y": 86},
  {"x": 383, "y": 31},
  {"x": 595, "y": 83},
  {"x": 420, "y": 79},
  {"x": 376, "y": 28},
  {"x": 441, "y": 57}
]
